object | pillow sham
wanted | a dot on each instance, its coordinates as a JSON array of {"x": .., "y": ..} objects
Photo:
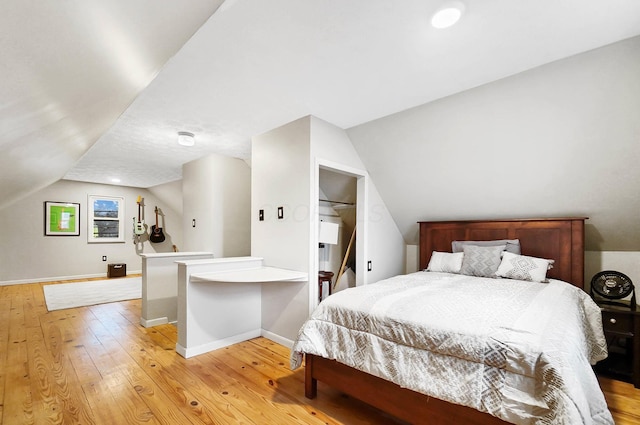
[
  {"x": 512, "y": 245},
  {"x": 523, "y": 267},
  {"x": 446, "y": 262},
  {"x": 481, "y": 261}
]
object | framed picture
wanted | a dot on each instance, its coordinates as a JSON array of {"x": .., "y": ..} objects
[
  {"x": 105, "y": 222},
  {"x": 61, "y": 219}
]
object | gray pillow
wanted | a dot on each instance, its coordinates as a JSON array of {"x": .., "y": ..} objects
[
  {"x": 512, "y": 245},
  {"x": 481, "y": 261}
]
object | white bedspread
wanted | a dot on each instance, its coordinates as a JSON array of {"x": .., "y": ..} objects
[{"x": 518, "y": 350}]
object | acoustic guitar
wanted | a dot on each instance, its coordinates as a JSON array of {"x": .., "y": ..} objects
[
  {"x": 139, "y": 229},
  {"x": 156, "y": 235}
]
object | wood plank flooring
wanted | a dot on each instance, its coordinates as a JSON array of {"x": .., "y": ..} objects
[{"x": 97, "y": 365}]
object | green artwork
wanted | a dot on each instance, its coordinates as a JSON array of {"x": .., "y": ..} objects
[{"x": 62, "y": 219}]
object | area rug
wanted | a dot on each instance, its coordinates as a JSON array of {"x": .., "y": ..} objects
[{"x": 80, "y": 294}]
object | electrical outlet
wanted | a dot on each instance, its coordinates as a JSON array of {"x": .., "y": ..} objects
[
  {"x": 369, "y": 266},
  {"x": 104, "y": 258}
]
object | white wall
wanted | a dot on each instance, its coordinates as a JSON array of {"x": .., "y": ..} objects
[
  {"x": 383, "y": 242},
  {"x": 285, "y": 173},
  {"x": 169, "y": 194},
  {"x": 280, "y": 176},
  {"x": 217, "y": 195},
  {"x": 29, "y": 256},
  {"x": 561, "y": 139}
]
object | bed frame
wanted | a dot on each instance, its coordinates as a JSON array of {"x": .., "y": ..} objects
[{"x": 560, "y": 239}]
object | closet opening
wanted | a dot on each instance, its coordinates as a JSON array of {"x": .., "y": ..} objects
[{"x": 337, "y": 231}]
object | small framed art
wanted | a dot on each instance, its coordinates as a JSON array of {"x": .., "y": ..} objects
[{"x": 61, "y": 219}]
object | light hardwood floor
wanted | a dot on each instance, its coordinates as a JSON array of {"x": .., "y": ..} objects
[{"x": 97, "y": 365}]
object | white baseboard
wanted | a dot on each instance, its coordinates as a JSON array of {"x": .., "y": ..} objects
[
  {"x": 154, "y": 322},
  {"x": 278, "y": 339},
  {"x": 216, "y": 344},
  {"x": 55, "y": 278}
]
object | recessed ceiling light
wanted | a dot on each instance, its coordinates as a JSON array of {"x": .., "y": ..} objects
[
  {"x": 448, "y": 14},
  {"x": 186, "y": 138},
  {"x": 115, "y": 180}
]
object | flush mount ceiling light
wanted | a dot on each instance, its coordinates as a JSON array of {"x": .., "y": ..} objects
[
  {"x": 448, "y": 14},
  {"x": 186, "y": 139}
]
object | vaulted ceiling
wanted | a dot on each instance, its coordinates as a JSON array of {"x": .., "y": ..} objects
[{"x": 97, "y": 91}]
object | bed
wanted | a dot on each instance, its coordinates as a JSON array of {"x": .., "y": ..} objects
[{"x": 498, "y": 351}]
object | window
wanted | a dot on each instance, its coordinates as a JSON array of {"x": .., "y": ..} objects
[{"x": 105, "y": 222}]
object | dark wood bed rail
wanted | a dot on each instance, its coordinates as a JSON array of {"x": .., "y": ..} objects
[{"x": 405, "y": 404}]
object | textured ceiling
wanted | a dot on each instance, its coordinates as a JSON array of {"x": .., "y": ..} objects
[{"x": 87, "y": 75}]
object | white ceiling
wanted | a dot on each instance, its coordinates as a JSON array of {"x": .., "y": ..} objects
[{"x": 79, "y": 72}]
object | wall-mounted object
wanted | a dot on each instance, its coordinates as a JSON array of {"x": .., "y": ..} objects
[
  {"x": 61, "y": 219},
  {"x": 327, "y": 236},
  {"x": 280, "y": 213},
  {"x": 261, "y": 215},
  {"x": 105, "y": 219},
  {"x": 328, "y": 232},
  {"x": 157, "y": 234},
  {"x": 139, "y": 228}
]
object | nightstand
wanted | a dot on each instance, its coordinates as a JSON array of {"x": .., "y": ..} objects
[{"x": 622, "y": 331}]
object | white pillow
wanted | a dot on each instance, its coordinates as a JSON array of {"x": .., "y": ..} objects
[
  {"x": 523, "y": 267},
  {"x": 445, "y": 262}
]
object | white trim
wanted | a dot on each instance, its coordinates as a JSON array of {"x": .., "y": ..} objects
[
  {"x": 154, "y": 322},
  {"x": 217, "y": 344},
  {"x": 56, "y": 278},
  {"x": 278, "y": 339}
]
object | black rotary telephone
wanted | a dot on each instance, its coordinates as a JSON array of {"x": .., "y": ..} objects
[{"x": 614, "y": 288}]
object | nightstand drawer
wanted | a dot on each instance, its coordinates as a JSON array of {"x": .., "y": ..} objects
[{"x": 620, "y": 323}]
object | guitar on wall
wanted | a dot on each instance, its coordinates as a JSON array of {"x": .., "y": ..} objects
[
  {"x": 156, "y": 235},
  {"x": 138, "y": 228}
]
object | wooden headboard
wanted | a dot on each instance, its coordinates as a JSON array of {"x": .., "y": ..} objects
[{"x": 559, "y": 239}]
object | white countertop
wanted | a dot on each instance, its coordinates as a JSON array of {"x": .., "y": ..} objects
[
  {"x": 174, "y": 254},
  {"x": 257, "y": 275}
]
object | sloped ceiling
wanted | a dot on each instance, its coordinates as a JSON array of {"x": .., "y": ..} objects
[
  {"x": 97, "y": 91},
  {"x": 69, "y": 70}
]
